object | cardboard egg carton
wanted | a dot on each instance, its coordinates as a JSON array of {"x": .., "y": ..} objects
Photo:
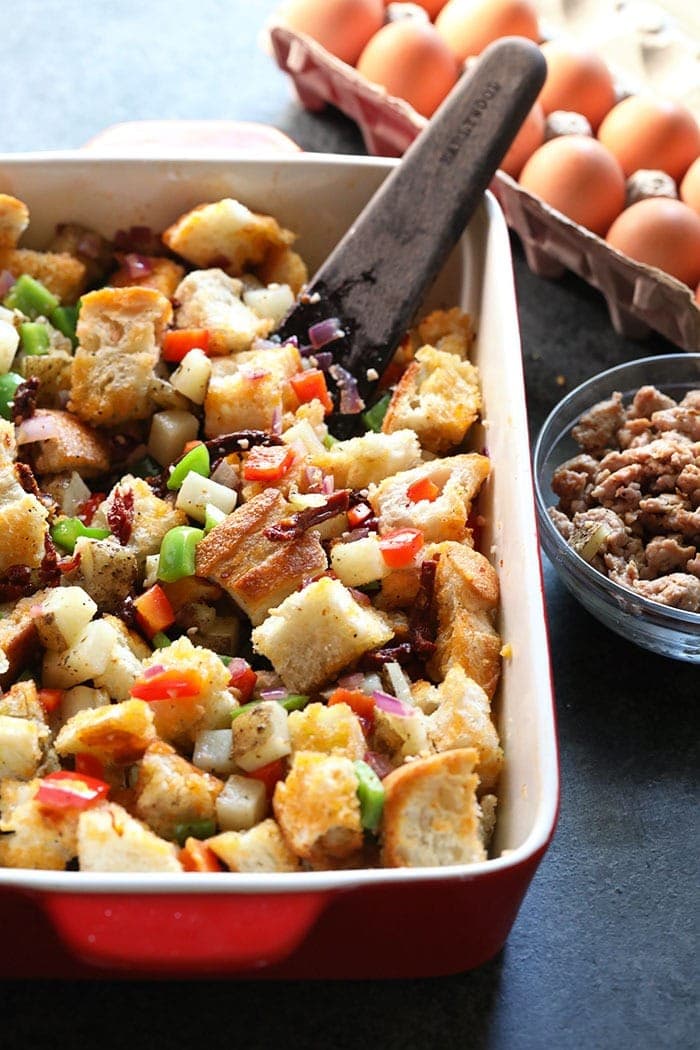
[{"x": 640, "y": 298}]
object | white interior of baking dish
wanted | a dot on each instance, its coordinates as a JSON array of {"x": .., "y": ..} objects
[{"x": 320, "y": 196}]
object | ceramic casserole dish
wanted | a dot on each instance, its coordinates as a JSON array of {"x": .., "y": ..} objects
[{"x": 342, "y": 924}]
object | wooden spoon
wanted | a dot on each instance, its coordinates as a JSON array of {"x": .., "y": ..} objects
[{"x": 376, "y": 277}]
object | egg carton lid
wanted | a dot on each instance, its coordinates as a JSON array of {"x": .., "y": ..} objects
[{"x": 640, "y": 298}]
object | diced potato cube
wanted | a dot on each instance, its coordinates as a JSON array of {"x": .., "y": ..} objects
[
  {"x": 273, "y": 302},
  {"x": 359, "y": 562},
  {"x": 213, "y": 751},
  {"x": 197, "y": 491},
  {"x": 260, "y": 735},
  {"x": 170, "y": 432},
  {"x": 262, "y": 848},
  {"x": 86, "y": 658},
  {"x": 242, "y": 804},
  {"x": 65, "y": 613},
  {"x": 82, "y": 698},
  {"x": 192, "y": 376},
  {"x": 9, "y": 341}
]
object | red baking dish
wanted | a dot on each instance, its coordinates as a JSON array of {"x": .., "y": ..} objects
[{"x": 340, "y": 924}]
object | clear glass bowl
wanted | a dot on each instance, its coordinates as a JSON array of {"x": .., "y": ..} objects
[{"x": 671, "y": 632}]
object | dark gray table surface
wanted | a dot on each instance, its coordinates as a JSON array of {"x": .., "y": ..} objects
[{"x": 603, "y": 953}]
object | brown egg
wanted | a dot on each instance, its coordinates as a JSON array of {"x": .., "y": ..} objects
[
  {"x": 529, "y": 138},
  {"x": 433, "y": 7},
  {"x": 578, "y": 80},
  {"x": 690, "y": 187},
  {"x": 578, "y": 177},
  {"x": 410, "y": 59},
  {"x": 648, "y": 132},
  {"x": 660, "y": 232},
  {"x": 343, "y": 27},
  {"x": 468, "y": 26}
]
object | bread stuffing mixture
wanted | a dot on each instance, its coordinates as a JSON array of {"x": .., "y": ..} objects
[
  {"x": 630, "y": 502},
  {"x": 229, "y": 641}
]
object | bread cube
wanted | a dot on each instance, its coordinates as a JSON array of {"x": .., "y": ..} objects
[
  {"x": 369, "y": 459},
  {"x": 118, "y": 734},
  {"x": 169, "y": 790},
  {"x": 163, "y": 275},
  {"x": 72, "y": 446},
  {"x": 458, "y": 479},
  {"x": 451, "y": 330},
  {"x": 179, "y": 721},
  {"x": 23, "y": 523},
  {"x": 18, "y": 637},
  {"x": 466, "y": 597},
  {"x": 210, "y": 299},
  {"x": 8, "y": 443},
  {"x": 22, "y": 701},
  {"x": 14, "y": 219},
  {"x": 250, "y": 389},
  {"x": 400, "y": 736},
  {"x": 333, "y": 730},
  {"x": 62, "y": 274},
  {"x": 317, "y": 632},
  {"x": 225, "y": 234},
  {"x": 260, "y": 735},
  {"x": 53, "y": 370},
  {"x": 282, "y": 265},
  {"x": 30, "y": 835},
  {"x": 119, "y": 333},
  {"x": 463, "y": 719},
  {"x": 431, "y": 813},
  {"x": 261, "y": 849},
  {"x": 21, "y": 750},
  {"x": 152, "y": 517},
  {"x": 111, "y": 840},
  {"x": 438, "y": 397},
  {"x": 258, "y": 573},
  {"x": 318, "y": 810}
]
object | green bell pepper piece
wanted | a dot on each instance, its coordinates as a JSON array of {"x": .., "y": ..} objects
[
  {"x": 370, "y": 792},
  {"x": 374, "y": 416},
  {"x": 31, "y": 297},
  {"x": 177, "y": 553},
  {"x": 66, "y": 531},
  {"x": 8, "y": 385},
  {"x": 197, "y": 460}
]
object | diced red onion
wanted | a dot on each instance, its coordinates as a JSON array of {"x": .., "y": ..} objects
[
  {"x": 390, "y": 704},
  {"x": 7, "y": 281},
  {"x": 350, "y": 401},
  {"x": 322, "y": 359},
  {"x": 400, "y": 682},
  {"x": 328, "y": 484},
  {"x": 276, "y": 421},
  {"x": 151, "y": 672},
  {"x": 274, "y": 694},
  {"x": 291, "y": 340},
  {"x": 36, "y": 428},
  {"x": 325, "y": 332},
  {"x": 226, "y": 474},
  {"x": 360, "y": 597}
]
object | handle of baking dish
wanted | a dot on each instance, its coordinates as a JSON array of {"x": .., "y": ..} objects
[{"x": 194, "y": 933}]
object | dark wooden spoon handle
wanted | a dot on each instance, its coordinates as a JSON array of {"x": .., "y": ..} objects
[{"x": 376, "y": 277}]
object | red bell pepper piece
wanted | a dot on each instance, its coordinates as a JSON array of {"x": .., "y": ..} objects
[
  {"x": 171, "y": 684},
  {"x": 268, "y": 464},
  {"x": 424, "y": 488},
  {"x": 66, "y": 790},
  {"x": 359, "y": 514},
  {"x": 179, "y": 341},
  {"x": 311, "y": 385},
  {"x": 50, "y": 699},
  {"x": 154, "y": 612},
  {"x": 400, "y": 546},
  {"x": 89, "y": 764},
  {"x": 362, "y": 704},
  {"x": 270, "y": 774},
  {"x": 243, "y": 678},
  {"x": 197, "y": 856}
]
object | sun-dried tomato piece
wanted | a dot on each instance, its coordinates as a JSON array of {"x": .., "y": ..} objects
[{"x": 120, "y": 516}]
